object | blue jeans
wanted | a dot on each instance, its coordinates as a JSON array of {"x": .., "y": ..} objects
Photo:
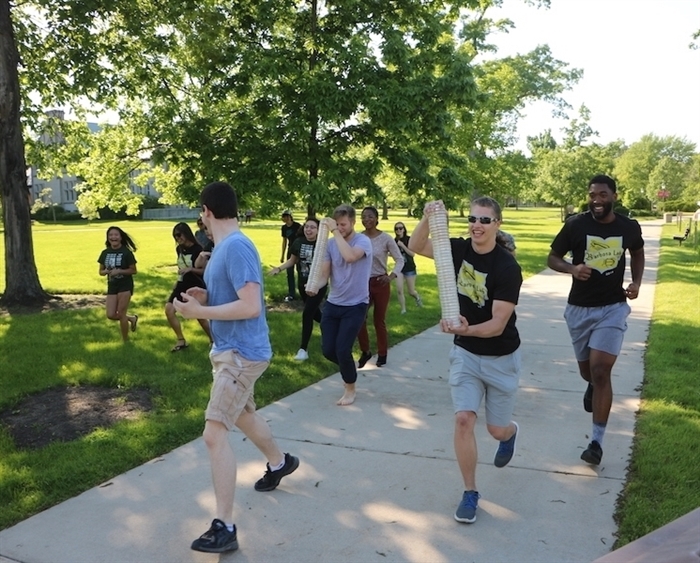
[{"x": 339, "y": 327}]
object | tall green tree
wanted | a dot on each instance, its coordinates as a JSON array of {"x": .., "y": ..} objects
[
  {"x": 562, "y": 173},
  {"x": 653, "y": 162},
  {"x": 278, "y": 97},
  {"x": 289, "y": 101},
  {"x": 487, "y": 133},
  {"x": 542, "y": 141},
  {"x": 691, "y": 191}
]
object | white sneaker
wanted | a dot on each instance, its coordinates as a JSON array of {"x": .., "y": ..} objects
[{"x": 302, "y": 355}]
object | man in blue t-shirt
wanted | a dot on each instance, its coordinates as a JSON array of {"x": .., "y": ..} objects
[
  {"x": 234, "y": 304},
  {"x": 597, "y": 310}
]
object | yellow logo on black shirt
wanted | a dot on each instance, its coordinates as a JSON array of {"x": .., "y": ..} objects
[
  {"x": 603, "y": 254},
  {"x": 472, "y": 284}
]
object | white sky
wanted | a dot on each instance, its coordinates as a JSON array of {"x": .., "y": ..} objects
[{"x": 639, "y": 74}]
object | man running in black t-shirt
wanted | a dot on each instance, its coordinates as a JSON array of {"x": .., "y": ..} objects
[
  {"x": 485, "y": 359},
  {"x": 597, "y": 309}
]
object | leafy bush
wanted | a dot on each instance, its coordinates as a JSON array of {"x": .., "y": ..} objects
[
  {"x": 621, "y": 209},
  {"x": 680, "y": 205},
  {"x": 644, "y": 212},
  {"x": 46, "y": 214},
  {"x": 56, "y": 212},
  {"x": 110, "y": 215},
  {"x": 637, "y": 202},
  {"x": 150, "y": 202},
  {"x": 69, "y": 216}
]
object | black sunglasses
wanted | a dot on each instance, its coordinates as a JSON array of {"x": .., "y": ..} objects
[
  {"x": 399, "y": 228},
  {"x": 482, "y": 220},
  {"x": 177, "y": 235}
]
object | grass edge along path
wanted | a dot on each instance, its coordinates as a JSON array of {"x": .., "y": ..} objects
[{"x": 663, "y": 480}]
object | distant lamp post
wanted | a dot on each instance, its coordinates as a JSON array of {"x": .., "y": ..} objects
[{"x": 663, "y": 194}]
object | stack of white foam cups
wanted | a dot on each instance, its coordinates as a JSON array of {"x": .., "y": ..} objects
[
  {"x": 444, "y": 267},
  {"x": 314, "y": 281}
]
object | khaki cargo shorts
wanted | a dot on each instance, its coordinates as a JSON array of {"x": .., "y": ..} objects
[{"x": 232, "y": 390}]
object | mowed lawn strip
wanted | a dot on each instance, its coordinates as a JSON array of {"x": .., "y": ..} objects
[{"x": 664, "y": 474}]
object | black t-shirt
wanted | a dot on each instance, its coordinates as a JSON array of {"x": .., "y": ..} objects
[
  {"x": 186, "y": 257},
  {"x": 481, "y": 280},
  {"x": 409, "y": 264},
  {"x": 303, "y": 249},
  {"x": 118, "y": 259},
  {"x": 291, "y": 232},
  {"x": 602, "y": 247}
]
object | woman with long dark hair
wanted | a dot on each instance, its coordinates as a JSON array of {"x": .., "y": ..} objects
[
  {"x": 302, "y": 254},
  {"x": 188, "y": 276},
  {"x": 118, "y": 263}
]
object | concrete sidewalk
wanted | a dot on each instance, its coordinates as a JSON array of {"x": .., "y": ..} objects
[{"x": 378, "y": 480}]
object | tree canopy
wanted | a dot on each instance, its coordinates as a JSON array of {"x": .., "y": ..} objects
[
  {"x": 563, "y": 171},
  {"x": 308, "y": 102},
  {"x": 279, "y": 98},
  {"x": 291, "y": 102},
  {"x": 655, "y": 163}
]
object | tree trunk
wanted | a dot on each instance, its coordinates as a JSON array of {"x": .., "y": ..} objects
[{"x": 22, "y": 285}]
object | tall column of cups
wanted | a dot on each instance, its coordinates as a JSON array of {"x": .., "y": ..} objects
[
  {"x": 312, "y": 284},
  {"x": 444, "y": 267}
]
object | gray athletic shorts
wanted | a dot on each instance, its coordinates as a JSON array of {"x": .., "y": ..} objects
[
  {"x": 472, "y": 376},
  {"x": 597, "y": 328}
]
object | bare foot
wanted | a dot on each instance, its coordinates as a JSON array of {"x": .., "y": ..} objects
[{"x": 348, "y": 397}]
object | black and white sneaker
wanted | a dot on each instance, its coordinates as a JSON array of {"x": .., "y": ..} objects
[
  {"x": 271, "y": 479},
  {"x": 216, "y": 539}
]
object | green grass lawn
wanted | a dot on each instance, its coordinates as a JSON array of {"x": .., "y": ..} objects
[
  {"x": 81, "y": 347},
  {"x": 664, "y": 475}
]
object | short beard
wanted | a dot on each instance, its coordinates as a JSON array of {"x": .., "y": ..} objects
[{"x": 607, "y": 209}]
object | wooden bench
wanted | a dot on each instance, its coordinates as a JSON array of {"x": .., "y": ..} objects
[
  {"x": 676, "y": 542},
  {"x": 680, "y": 238}
]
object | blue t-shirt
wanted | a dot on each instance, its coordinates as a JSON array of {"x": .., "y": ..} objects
[
  {"x": 349, "y": 281},
  {"x": 233, "y": 263}
]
